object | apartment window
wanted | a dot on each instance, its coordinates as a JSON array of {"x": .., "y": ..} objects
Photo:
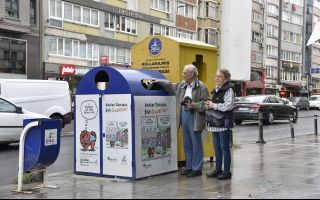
[
  {"x": 68, "y": 11},
  {"x": 272, "y": 51},
  {"x": 186, "y": 10},
  {"x": 256, "y": 37},
  {"x": 76, "y": 13},
  {"x": 273, "y": 10},
  {"x": 292, "y": 18},
  {"x": 185, "y": 35},
  {"x": 117, "y": 55},
  {"x": 73, "y": 48},
  {"x": 272, "y": 31},
  {"x": 212, "y": 10},
  {"x": 120, "y": 23},
  {"x": 291, "y": 37},
  {"x": 12, "y": 9},
  {"x": 291, "y": 56},
  {"x": 13, "y": 56},
  {"x": 33, "y": 12},
  {"x": 156, "y": 29},
  {"x": 296, "y": 2},
  {"x": 86, "y": 15},
  {"x": 162, "y": 5},
  {"x": 211, "y": 37},
  {"x": 257, "y": 17},
  {"x": 315, "y": 51}
]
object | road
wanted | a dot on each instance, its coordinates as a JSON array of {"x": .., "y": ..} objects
[{"x": 246, "y": 133}]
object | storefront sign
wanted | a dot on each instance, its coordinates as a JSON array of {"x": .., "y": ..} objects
[{"x": 67, "y": 70}]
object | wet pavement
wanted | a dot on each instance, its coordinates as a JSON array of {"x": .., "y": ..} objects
[{"x": 282, "y": 169}]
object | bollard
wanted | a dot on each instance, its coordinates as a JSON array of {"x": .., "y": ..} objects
[
  {"x": 291, "y": 126},
  {"x": 316, "y": 124},
  {"x": 261, "y": 139}
]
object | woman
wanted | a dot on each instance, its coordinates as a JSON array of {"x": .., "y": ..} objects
[{"x": 223, "y": 101}]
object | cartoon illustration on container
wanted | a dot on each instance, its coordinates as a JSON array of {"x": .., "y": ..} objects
[
  {"x": 117, "y": 135},
  {"x": 88, "y": 140},
  {"x": 156, "y": 138}
]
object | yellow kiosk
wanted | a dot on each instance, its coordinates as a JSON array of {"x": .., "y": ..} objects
[{"x": 169, "y": 55}]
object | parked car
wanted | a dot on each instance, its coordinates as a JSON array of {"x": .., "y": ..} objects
[
  {"x": 272, "y": 107},
  {"x": 315, "y": 102},
  {"x": 11, "y": 121},
  {"x": 301, "y": 103},
  {"x": 49, "y": 98}
]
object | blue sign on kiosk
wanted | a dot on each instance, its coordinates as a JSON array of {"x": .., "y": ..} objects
[{"x": 123, "y": 128}]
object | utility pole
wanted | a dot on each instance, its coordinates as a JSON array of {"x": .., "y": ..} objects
[{"x": 280, "y": 41}]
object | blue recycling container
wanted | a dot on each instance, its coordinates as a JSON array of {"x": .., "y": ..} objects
[
  {"x": 123, "y": 128},
  {"x": 42, "y": 144}
]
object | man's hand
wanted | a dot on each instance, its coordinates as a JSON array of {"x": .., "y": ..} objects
[{"x": 190, "y": 105}]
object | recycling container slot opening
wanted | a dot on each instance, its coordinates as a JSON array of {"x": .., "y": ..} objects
[
  {"x": 147, "y": 84},
  {"x": 102, "y": 80}
]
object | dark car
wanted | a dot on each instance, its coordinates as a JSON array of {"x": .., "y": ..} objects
[
  {"x": 272, "y": 107},
  {"x": 301, "y": 103}
]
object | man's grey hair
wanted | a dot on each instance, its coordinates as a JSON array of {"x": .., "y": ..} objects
[{"x": 193, "y": 69}]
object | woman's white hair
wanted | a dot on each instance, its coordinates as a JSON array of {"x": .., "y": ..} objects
[{"x": 192, "y": 68}]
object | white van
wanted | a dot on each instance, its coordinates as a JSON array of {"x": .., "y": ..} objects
[
  {"x": 315, "y": 101},
  {"x": 48, "y": 98}
]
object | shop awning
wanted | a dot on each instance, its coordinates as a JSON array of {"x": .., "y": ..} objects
[{"x": 292, "y": 84}]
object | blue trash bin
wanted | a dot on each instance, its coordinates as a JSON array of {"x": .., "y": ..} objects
[
  {"x": 42, "y": 144},
  {"x": 122, "y": 128}
]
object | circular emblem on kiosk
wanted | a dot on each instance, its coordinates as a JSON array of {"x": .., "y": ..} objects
[{"x": 155, "y": 46}]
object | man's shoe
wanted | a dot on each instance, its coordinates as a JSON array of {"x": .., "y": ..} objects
[
  {"x": 225, "y": 176},
  {"x": 215, "y": 174},
  {"x": 195, "y": 174},
  {"x": 186, "y": 172}
]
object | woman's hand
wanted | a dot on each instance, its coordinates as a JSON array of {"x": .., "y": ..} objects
[{"x": 209, "y": 105}]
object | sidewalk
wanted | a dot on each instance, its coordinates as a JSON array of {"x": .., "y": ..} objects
[{"x": 280, "y": 169}]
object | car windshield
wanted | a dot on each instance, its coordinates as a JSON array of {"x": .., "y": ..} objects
[
  {"x": 253, "y": 99},
  {"x": 294, "y": 99},
  {"x": 313, "y": 98}
]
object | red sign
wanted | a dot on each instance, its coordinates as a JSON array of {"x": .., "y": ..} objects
[
  {"x": 104, "y": 60},
  {"x": 67, "y": 70}
]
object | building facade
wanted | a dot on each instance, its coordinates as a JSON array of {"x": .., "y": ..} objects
[
  {"x": 315, "y": 50},
  {"x": 19, "y": 39},
  {"x": 292, "y": 48},
  {"x": 272, "y": 46}
]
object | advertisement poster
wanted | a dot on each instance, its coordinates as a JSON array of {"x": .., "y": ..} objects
[
  {"x": 156, "y": 135},
  {"x": 117, "y": 135},
  {"x": 87, "y": 134}
]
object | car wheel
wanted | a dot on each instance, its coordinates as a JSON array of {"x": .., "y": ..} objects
[
  {"x": 295, "y": 117},
  {"x": 270, "y": 118},
  {"x": 59, "y": 118},
  {"x": 238, "y": 122}
]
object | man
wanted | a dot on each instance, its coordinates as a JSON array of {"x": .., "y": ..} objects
[{"x": 191, "y": 95}]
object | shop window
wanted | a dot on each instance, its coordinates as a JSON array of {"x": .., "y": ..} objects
[{"x": 13, "y": 56}]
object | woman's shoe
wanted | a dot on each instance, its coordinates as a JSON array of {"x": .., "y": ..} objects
[
  {"x": 225, "y": 176},
  {"x": 215, "y": 174}
]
